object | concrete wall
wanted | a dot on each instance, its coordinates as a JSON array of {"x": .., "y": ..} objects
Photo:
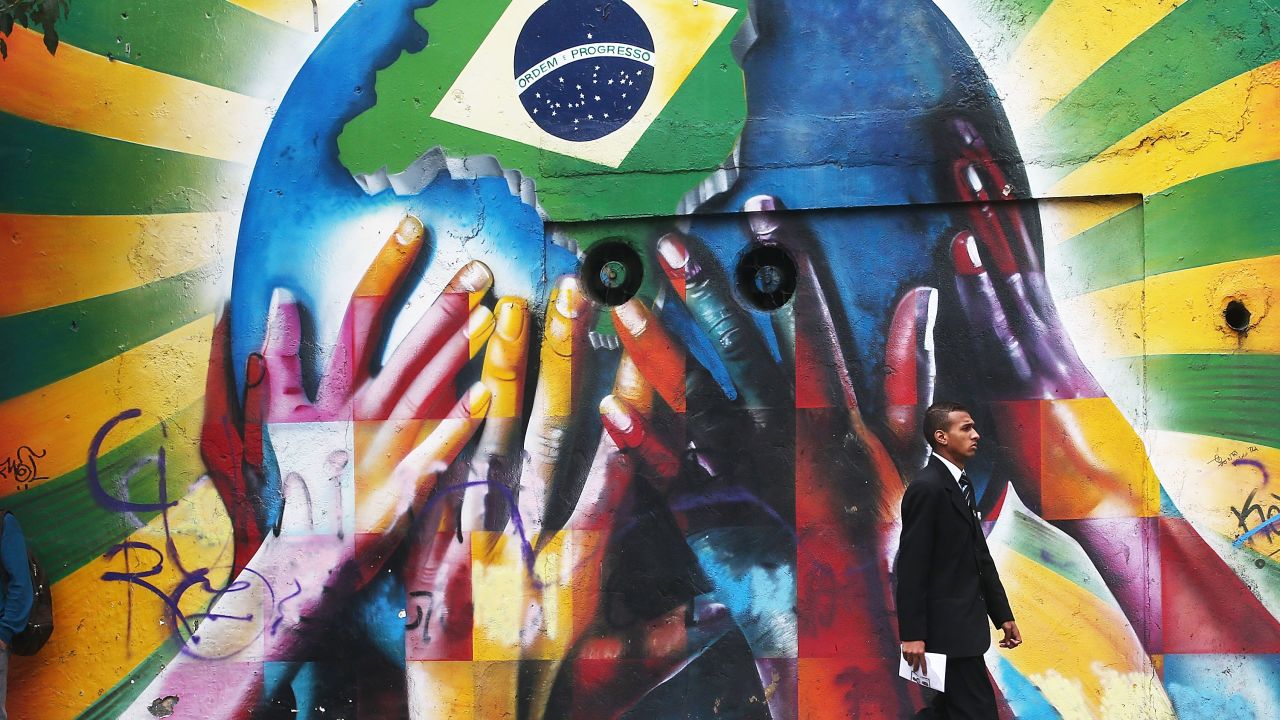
[{"x": 483, "y": 359}]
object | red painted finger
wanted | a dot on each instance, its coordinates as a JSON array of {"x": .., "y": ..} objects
[
  {"x": 632, "y": 432},
  {"x": 222, "y": 448},
  {"x": 909, "y": 363}
]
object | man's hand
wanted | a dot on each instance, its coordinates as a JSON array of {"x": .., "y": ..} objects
[
  {"x": 1012, "y": 638},
  {"x": 913, "y": 653}
]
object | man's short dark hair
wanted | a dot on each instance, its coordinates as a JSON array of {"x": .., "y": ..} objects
[{"x": 937, "y": 417}]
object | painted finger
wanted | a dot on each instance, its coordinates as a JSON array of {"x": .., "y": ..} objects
[
  {"x": 436, "y": 328},
  {"x": 826, "y": 400},
  {"x": 631, "y": 432},
  {"x": 706, "y": 292},
  {"x": 222, "y": 447},
  {"x": 655, "y": 352},
  {"x": 612, "y": 471},
  {"x": 383, "y": 504},
  {"x": 286, "y": 400},
  {"x": 910, "y": 371},
  {"x": 982, "y": 305},
  {"x": 821, "y": 372},
  {"x": 368, "y": 313},
  {"x": 426, "y": 395},
  {"x": 555, "y": 430},
  {"x": 980, "y": 180},
  {"x": 497, "y": 455}
]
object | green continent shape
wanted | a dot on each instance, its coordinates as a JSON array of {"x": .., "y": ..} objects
[{"x": 693, "y": 135}]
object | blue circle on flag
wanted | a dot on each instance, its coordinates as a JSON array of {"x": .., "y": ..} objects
[{"x": 583, "y": 68}]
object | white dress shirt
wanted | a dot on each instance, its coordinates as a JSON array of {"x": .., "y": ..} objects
[{"x": 955, "y": 469}]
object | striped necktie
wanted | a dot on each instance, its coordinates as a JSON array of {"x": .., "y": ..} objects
[{"x": 966, "y": 488}]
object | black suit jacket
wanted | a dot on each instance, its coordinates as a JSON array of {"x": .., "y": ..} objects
[{"x": 947, "y": 583}]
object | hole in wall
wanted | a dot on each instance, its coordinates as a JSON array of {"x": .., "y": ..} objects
[
  {"x": 766, "y": 277},
  {"x": 1237, "y": 316},
  {"x": 612, "y": 272}
]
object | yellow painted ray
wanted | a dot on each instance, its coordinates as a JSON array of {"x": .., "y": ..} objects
[
  {"x": 1064, "y": 218},
  {"x": 316, "y": 16},
  {"x": 1178, "y": 312},
  {"x": 58, "y": 259},
  {"x": 1215, "y": 483},
  {"x": 82, "y": 91},
  {"x": 1228, "y": 126},
  {"x": 1070, "y": 41},
  {"x": 1049, "y": 606},
  {"x": 159, "y": 378},
  {"x": 106, "y": 627}
]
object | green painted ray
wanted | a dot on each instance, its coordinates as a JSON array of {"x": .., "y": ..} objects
[
  {"x": 1109, "y": 253},
  {"x": 55, "y": 171},
  {"x": 210, "y": 41},
  {"x": 1229, "y": 396},
  {"x": 1200, "y": 44},
  {"x": 65, "y": 339},
  {"x": 47, "y": 510},
  {"x": 1226, "y": 216},
  {"x": 1223, "y": 217},
  {"x": 112, "y": 704}
]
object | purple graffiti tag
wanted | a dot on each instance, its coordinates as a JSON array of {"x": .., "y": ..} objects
[
  {"x": 275, "y": 624},
  {"x": 183, "y": 625},
  {"x": 1268, "y": 517}
]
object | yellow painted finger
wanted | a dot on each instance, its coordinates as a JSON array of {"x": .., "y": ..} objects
[{"x": 506, "y": 358}]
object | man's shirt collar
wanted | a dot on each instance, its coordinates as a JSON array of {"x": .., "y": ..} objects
[{"x": 951, "y": 467}]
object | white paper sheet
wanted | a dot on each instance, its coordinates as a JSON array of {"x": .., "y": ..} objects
[{"x": 935, "y": 666}]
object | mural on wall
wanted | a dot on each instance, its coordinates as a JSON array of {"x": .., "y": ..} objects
[{"x": 566, "y": 358}]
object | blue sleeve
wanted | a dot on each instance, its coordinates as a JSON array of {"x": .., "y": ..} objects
[{"x": 17, "y": 596}]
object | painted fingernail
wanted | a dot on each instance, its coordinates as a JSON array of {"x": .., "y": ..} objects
[
  {"x": 479, "y": 322},
  {"x": 409, "y": 230},
  {"x": 968, "y": 133},
  {"x": 511, "y": 318},
  {"x": 568, "y": 298},
  {"x": 479, "y": 328},
  {"x": 473, "y": 277},
  {"x": 632, "y": 315},
  {"x": 629, "y": 385},
  {"x": 255, "y": 370},
  {"x": 616, "y": 417},
  {"x": 964, "y": 253},
  {"x": 279, "y": 327},
  {"x": 975, "y": 181},
  {"x": 672, "y": 252},
  {"x": 761, "y": 214},
  {"x": 478, "y": 399}
]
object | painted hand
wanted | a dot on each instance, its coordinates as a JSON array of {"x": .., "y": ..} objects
[
  {"x": 498, "y": 595},
  {"x": 796, "y": 419},
  {"x": 353, "y": 463}
]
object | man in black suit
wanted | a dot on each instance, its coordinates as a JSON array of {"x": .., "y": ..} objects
[{"x": 946, "y": 579}]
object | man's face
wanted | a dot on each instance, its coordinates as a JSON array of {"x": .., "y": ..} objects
[{"x": 961, "y": 436}]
